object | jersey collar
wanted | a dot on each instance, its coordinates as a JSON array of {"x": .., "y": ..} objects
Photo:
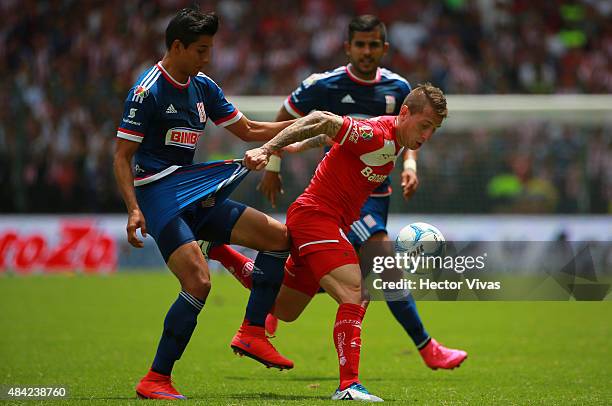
[
  {"x": 354, "y": 78},
  {"x": 170, "y": 79}
]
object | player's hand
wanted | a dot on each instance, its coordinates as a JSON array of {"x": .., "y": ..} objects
[
  {"x": 270, "y": 186},
  {"x": 256, "y": 159},
  {"x": 410, "y": 183},
  {"x": 136, "y": 220}
]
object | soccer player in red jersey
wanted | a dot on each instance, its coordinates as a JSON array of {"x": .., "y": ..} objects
[
  {"x": 363, "y": 155},
  {"x": 361, "y": 89}
]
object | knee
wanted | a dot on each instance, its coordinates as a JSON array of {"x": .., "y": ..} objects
[
  {"x": 351, "y": 293},
  {"x": 197, "y": 283},
  {"x": 204, "y": 284},
  {"x": 279, "y": 241}
]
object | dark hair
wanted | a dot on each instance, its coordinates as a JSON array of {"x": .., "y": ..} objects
[
  {"x": 425, "y": 94},
  {"x": 367, "y": 23},
  {"x": 189, "y": 24}
]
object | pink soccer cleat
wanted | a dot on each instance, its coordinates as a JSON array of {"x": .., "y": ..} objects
[{"x": 437, "y": 356}]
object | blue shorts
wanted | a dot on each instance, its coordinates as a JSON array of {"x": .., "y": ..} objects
[
  {"x": 193, "y": 197},
  {"x": 199, "y": 223},
  {"x": 373, "y": 219}
]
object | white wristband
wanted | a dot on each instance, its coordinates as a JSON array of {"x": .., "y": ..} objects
[
  {"x": 410, "y": 164},
  {"x": 274, "y": 164}
]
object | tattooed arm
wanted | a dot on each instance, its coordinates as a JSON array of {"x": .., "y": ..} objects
[
  {"x": 314, "y": 142},
  {"x": 312, "y": 125}
]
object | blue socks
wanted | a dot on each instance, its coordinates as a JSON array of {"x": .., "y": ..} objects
[
  {"x": 403, "y": 307},
  {"x": 268, "y": 273},
  {"x": 179, "y": 324}
]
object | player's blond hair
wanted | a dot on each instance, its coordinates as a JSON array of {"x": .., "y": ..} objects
[{"x": 425, "y": 94}]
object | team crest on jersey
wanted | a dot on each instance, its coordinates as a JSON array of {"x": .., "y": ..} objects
[
  {"x": 183, "y": 137},
  {"x": 366, "y": 132},
  {"x": 141, "y": 92},
  {"x": 201, "y": 111}
]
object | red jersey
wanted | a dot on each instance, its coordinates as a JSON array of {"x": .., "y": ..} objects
[{"x": 362, "y": 157}]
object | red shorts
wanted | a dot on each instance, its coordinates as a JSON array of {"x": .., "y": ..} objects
[{"x": 318, "y": 246}]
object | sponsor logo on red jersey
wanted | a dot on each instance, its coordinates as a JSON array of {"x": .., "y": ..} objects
[
  {"x": 354, "y": 137},
  {"x": 183, "y": 137},
  {"x": 369, "y": 174}
]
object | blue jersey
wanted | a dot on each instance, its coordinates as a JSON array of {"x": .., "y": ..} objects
[
  {"x": 168, "y": 118},
  {"x": 339, "y": 91}
]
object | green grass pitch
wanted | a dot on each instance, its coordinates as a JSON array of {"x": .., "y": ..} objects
[{"x": 98, "y": 334}]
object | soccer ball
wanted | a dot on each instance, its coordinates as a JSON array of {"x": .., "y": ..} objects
[{"x": 420, "y": 239}]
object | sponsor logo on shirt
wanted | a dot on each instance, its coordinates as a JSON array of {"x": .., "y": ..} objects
[
  {"x": 125, "y": 120},
  {"x": 183, "y": 137},
  {"x": 347, "y": 99},
  {"x": 354, "y": 137},
  {"x": 131, "y": 114},
  {"x": 368, "y": 173},
  {"x": 381, "y": 156}
]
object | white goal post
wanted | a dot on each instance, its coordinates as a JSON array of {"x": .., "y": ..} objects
[{"x": 486, "y": 110}]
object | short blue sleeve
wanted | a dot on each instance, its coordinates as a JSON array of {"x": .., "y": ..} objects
[
  {"x": 138, "y": 112},
  {"x": 310, "y": 95},
  {"x": 220, "y": 111}
]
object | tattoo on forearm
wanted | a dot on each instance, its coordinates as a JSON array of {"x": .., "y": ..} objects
[
  {"x": 314, "y": 142},
  {"x": 312, "y": 125}
]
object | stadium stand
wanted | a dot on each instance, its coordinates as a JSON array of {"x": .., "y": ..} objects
[{"x": 66, "y": 66}]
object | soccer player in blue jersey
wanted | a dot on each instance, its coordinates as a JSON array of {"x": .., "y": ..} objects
[
  {"x": 362, "y": 89},
  {"x": 178, "y": 202}
]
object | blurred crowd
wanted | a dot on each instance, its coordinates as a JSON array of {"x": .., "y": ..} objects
[
  {"x": 66, "y": 67},
  {"x": 533, "y": 167}
]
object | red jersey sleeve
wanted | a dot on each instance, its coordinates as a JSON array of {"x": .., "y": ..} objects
[{"x": 345, "y": 130}]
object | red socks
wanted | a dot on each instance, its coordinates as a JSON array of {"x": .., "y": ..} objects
[
  {"x": 238, "y": 265},
  {"x": 347, "y": 339}
]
